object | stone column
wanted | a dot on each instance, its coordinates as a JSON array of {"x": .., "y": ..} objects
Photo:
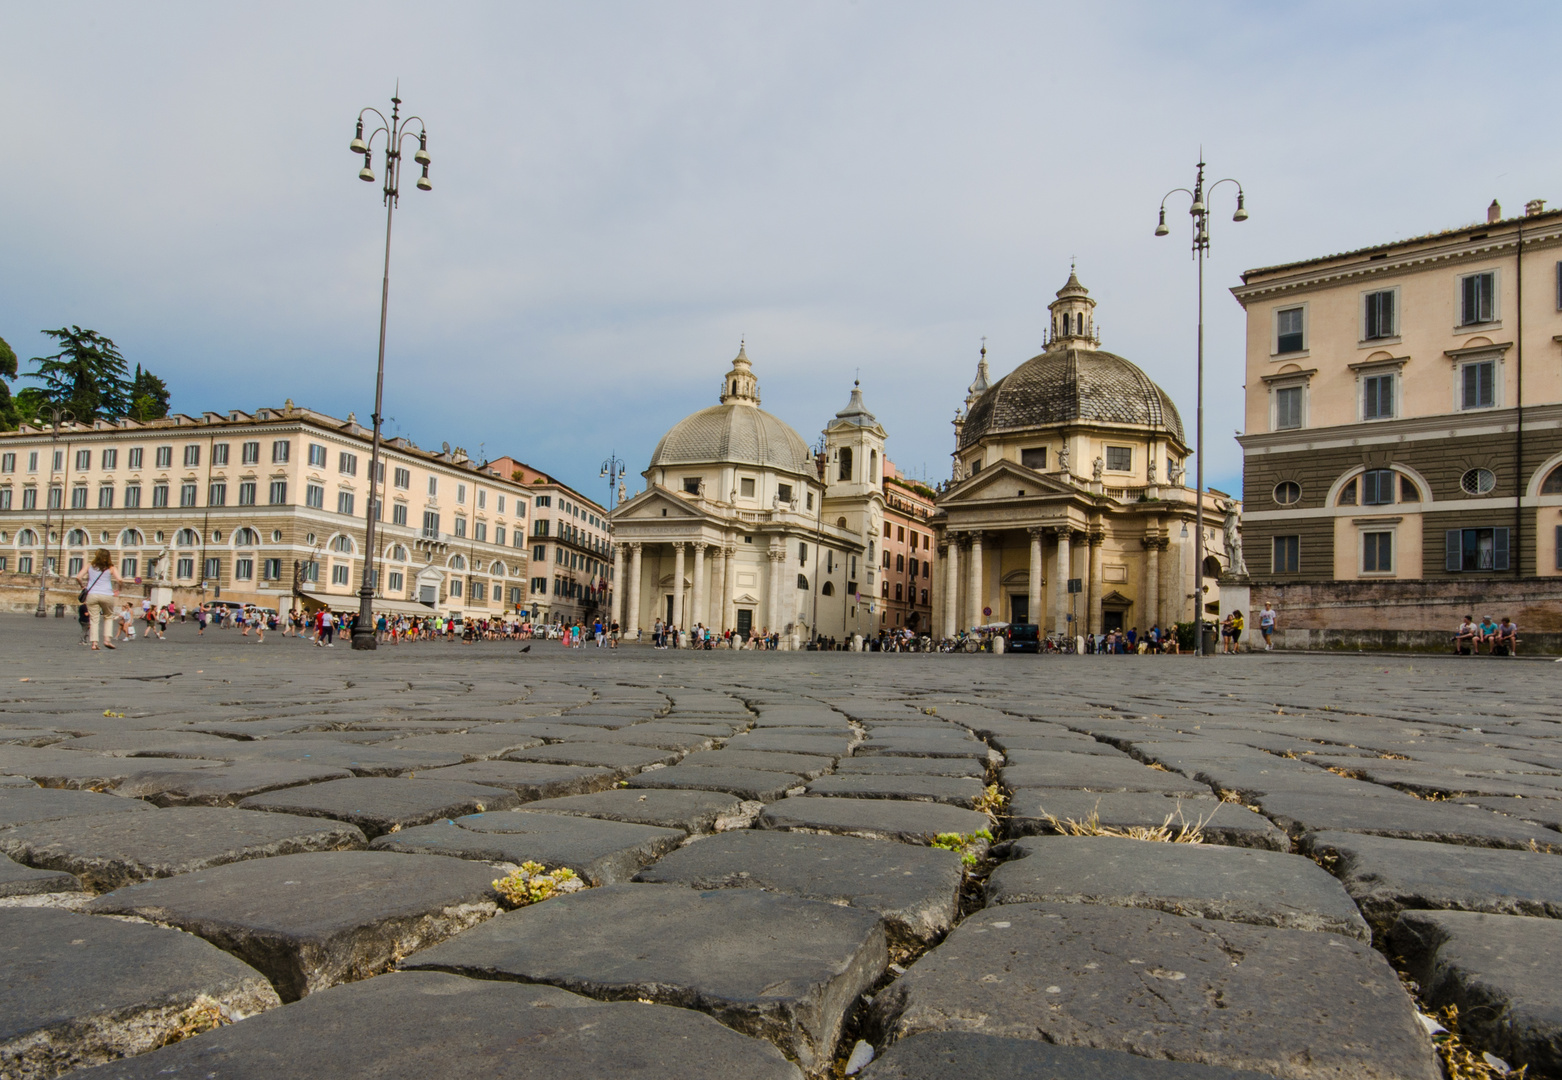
[
  {"x": 729, "y": 607},
  {"x": 952, "y": 587},
  {"x": 1060, "y": 587},
  {"x": 678, "y": 585},
  {"x": 716, "y": 600},
  {"x": 975, "y": 599},
  {"x": 618, "y": 583},
  {"x": 1152, "y": 580},
  {"x": 1096, "y": 540},
  {"x": 1033, "y": 601},
  {"x": 632, "y": 624},
  {"x": 698, "y": 615},
  {"x": 773, "y": 617}
]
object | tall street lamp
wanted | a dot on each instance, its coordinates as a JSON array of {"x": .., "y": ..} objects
[
  {"x": 1199, "y": 212},
  {"x": 613, "y": 470},
  {"x": 396, "y": 131},
  {"x": 54, "y": 417}
]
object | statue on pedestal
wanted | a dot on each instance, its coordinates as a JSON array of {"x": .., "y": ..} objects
[{"x": 1233, "y": 538}]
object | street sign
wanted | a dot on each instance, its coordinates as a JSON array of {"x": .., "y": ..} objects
[
  {"x": 1076, "y": 585},
  {"x": 987, "y": 611}
]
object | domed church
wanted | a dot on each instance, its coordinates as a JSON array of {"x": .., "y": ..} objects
[
  {"x": 742, "y": 526},
  {"x": 1071, "y": 467}
]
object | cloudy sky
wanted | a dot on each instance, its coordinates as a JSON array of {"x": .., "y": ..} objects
[{"x": 622, "y": 191}]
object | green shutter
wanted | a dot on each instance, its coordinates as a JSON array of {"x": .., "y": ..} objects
[
  {"x": 1499, "y": 549},
  {"x": 1453, "y": 551}
]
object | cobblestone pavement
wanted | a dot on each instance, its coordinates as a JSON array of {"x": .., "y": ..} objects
[{"x": 231, "y": 859}]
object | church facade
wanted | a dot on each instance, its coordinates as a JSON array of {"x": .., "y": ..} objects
[
  {"x": 743, "y": 526},
  {"x": 1070, "y": 469}
]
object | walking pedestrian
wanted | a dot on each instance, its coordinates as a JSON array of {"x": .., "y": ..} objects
[
  {"x": 1266, "y": 625},
  {"x": 99, "y": 584}
]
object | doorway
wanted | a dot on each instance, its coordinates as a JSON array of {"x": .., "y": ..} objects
[
  {"x": 1111, "y": 620},
  {"x": 668, "y": 619},
  {"x": 745, "y": 622},
  {"x": 1019, "y": 610}
]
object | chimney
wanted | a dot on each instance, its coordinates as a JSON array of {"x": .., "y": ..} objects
[
  {"x": 1494, "y": 212},
  {"x": 1534, "y": 206}
]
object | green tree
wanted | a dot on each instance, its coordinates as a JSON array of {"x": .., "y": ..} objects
[
  {"x": 87, "y": 376},
  {"x": 8, "y": 415},
  {"x": 148, "y": 396}
]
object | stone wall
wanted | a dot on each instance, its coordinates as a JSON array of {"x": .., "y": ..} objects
[{"x": 1418, "y": 616}]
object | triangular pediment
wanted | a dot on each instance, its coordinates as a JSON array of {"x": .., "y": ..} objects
[
  {"x": 1006, "y": 480},
  {"x": 1116, "y": 599},
  {"x": 660, "y": 504}
]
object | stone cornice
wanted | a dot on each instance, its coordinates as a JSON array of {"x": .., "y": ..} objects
[{"x": 1440, "y": 425}]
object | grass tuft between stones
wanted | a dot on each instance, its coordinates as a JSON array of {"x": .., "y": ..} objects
[
  {"x": 1176, "y": 829},
  {"x": 531, "y": 883}
]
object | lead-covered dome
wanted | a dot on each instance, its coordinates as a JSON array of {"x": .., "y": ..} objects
[
  {"x": 1071, "y": 384},
  {"x": 737, "y": 431}
]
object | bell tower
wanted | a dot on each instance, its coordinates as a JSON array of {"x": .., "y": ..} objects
[
  {"x": 1073, "y": 316},
  {"x": 740, "y": 385}
]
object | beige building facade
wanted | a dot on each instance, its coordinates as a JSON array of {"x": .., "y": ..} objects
[
  {"x": 909, "y": 557},
  {"x": 1071, "y": 467},
  {"x": 1403, "y": 442},
  {"x": 257, "y": 507},
  {"x": 569, "y": 546}
]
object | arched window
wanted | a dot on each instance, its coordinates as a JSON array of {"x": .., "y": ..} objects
[
  {"x": 1211, "y": 567},
  {"x": 497, "y": 569},
  {"x": 846, "y": 463},
  {"x": 840, "y": 523},
  {"x": 76, "y": 538},
  {"x": 342, "y": 542},
  {"x": 873, "y": 466},
  {"x": 245, "y": 537},
  {"x": 1552, "y": 485},
  {"x": 398, "y": 553},
  {"x": 828, "y": 588},
  {"x": 26, "y": 538},
  {"x": 130, "y": 538},
  {"x": 457, "y": 562},
  {"x": 802, "y": 582},
  {"x": 186, "y": 538}
]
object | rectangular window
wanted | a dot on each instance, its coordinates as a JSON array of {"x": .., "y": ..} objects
[
  {"x": 314, "y": 495},
  {"x": 73, "y": 565},
  {"x": 271, "y": 569},
  {"x": 316, "y": 456},
  {"x": 479, "y": 591},
  {"x": 79, "y": 497},
  {"x": 192, "y": 455},
  {"x": 540, "y": 553},
  {"x": 433, "y": 486},
  {"x": 29, "y": 498},
  {"x": 499, "y": 535},
  {"x": 132, "y": 496},
  {"x": 219, "y": 454},
  {"x": 399, "y": 514},
  {"x": 1120, "y": 458},
  {"x": 746, "y": 488},
  {"x": 159, "y": 494},
  {"x": 544, "y": 500},
  {"x": 106, "y": 497},
  {"x": 501, "y": 504},
  {"x": 217, "y": 494},
  {"x": 340, "y": 574},
  {"x": 134, "y": 459},
  {"x": 1287, "y": 555},
  {"x": 279, "y": 451},
  {"x": 165, "y": 457},
  {"x": 539, "y": 584},
  {"x": 1034, "y": 457},
  {"x": 83, "y": 460},
  {"x": 1377, "y": 553},
  {"x": 250, "y": 454},
  {"x": 403, "y": 478},
  {"x": 784, "y": 492},
  {"x": 110, "y": 460},
  {"x": 482, "y": 500},
  {"x": 347, "y": 464},
  {"x": 1288, "y": 408},
  {"x": 1478, "y": 298},
  {"x": 1478, "y": 385},
  {"x": 1377, "y": 487},
  {"x": 430, "y": 525},
  {"x": 461, "y": 494},
  {"x": 480, "y": 531},
  {"x": 186, "y": 494},
  {"x": 1476, "y": 550},
  {"x": 213, "y": 569},
  {"x": 129, "y": 567},
  {"x": 1379, "y": 321},
  {"x": 185, "y": 568},
  {"x": 540, "y": 527},
  {"x": 247, "y": 493},
  {"x": 5, "y": 498},
  {"x": 455, "y": 587},
  {"x": 244, "y": 569},
  {"x": 309, "y": 570},
  {"x": 396, "y": 580},
  {"x": 278, "y": 491},
  {"x": 1377, "y": 397},
  {"x": 8, "y": 463},
  {"x": 460, "y": 526},
  {"x": 344, "y": 502},
  {"x": 1290, "y": 335}
]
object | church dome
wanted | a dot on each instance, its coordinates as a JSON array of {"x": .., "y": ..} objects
[
  {"x": 737, "y": 431},
  {"x": 1070, "y": 384}
]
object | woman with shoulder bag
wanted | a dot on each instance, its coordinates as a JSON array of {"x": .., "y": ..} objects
[{"x": 99, "y": 585}]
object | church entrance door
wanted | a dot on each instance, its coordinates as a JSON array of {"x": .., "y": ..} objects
[
  {"x": 1019, "y": 610},
  {"x": 668, "y": 618},
  {"x": 745, "y": 622},
  {"x": 1111, "y": 620}
]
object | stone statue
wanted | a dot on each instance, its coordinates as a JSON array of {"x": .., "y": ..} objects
[
  {"x": 701, "y": 490},
  {"x": 1097, "y": 469},
  {"x": 157, "y": 567},
  {"x": 1152, "y": 468},
  {"x": 959, "y": 471},
  {"x": 621, "y": 490},
  {"x": 1063, "y": 458},
  {"x": 1233, "y": 537},
  {"x": 1175, "y": 472}
]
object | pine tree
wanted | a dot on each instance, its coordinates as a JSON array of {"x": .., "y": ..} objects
[
  {"x": 87, "y": 376},
  {"x": 148, "y": 396},
  {"x": 8, "y": 414}
]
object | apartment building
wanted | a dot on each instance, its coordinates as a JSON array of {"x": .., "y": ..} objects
[
  {"x": 909, "y": 549},
  {"x": 569, "y": 544},
  {"x": 1403, "y": 446},
  {"x": 266, "y": 507}
]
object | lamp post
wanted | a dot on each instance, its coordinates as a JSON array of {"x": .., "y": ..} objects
[
  {"x": 396, "y": 131},
  {"x": 613, "y": 469},
  {"x": 55, "y": 416},
  {"x": 1199, "y": 212}
]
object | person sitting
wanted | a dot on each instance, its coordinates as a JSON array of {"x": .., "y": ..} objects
[
  {"x": 1488, "y": 633},
  {"x": 1508, "y": 637},
  {"x": 1467, "y": 637}
]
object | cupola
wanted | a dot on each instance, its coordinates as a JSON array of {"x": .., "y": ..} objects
[
  {"x": 1073, "y": 315},
  {"x": 740, "y": 386}
]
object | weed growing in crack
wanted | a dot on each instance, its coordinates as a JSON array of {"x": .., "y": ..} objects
[
  {"x": 531, "y": 883},
  {"x": 992, "y": 801},
  {"x": 1174, "y": 830},
  {"x": 962, "y": 843}
]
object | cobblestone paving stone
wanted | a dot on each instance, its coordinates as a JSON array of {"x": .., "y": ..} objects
[{"x": 795, "y": 904}]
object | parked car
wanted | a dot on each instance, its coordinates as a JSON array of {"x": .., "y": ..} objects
[{"x": 1023, "y": 637}]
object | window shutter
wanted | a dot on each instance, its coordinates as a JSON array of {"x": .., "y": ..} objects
[
  {"x": 1453, "y": 551},
  {"x": 1499, "y": 549},
  {"x": 1559, "y": 535},
  {"x": 1386, "y": 324},
  {"x": 1467, "y": 307}
]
